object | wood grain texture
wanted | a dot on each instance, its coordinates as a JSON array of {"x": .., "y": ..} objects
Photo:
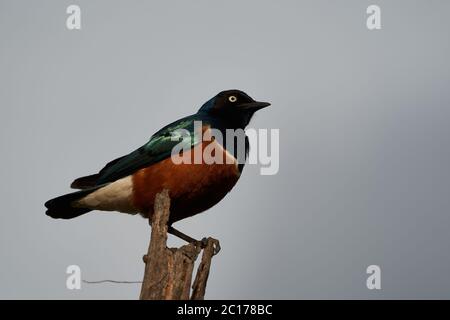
[
  {"x": 199, "y": 286},
  {"x": 168, "y": 271}
]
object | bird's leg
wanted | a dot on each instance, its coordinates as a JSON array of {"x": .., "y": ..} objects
[
  {"x": 203, "y": 243},
  {"x": 185, "y": 237}
]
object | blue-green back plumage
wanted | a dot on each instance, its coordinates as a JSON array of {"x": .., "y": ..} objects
[
  {"x": 231, "y": 109},
  {"x": 218, "y": 113},
  {"x": 159, "y": 147}
]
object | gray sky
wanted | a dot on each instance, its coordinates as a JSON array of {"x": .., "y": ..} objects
[{"x": 364, "y": 141}]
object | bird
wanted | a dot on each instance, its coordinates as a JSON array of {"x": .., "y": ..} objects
[{"x": 130, "y": 183}]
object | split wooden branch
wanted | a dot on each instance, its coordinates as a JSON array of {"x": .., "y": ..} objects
[
  {"x": 168, "y": 271},
  {"x": 199, "y": 286}
]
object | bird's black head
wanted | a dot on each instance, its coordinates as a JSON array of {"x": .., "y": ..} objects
[{"x": 234, "y": 106}]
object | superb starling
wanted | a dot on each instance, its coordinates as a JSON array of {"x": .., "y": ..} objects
[{"x": 129, "y": 184}]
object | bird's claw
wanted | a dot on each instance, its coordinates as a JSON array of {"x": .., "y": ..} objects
[{"x": 204, "y": 242}]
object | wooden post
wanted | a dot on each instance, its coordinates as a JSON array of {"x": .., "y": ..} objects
[
  {"x": 168, "y": 271},
  {"x": 199, "y": 286}
]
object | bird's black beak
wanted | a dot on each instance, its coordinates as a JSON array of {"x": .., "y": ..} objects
[{"x": 255, "y": 105}]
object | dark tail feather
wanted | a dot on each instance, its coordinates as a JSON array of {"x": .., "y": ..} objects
[
  {"x": 85, "y": 182},
  {"x": 61, "y": 207}
]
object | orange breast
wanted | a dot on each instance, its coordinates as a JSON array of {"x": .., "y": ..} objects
[{"x": 193, "y": 187}]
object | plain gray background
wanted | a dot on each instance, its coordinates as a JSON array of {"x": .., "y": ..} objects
[{"x": 364, "y": 141}]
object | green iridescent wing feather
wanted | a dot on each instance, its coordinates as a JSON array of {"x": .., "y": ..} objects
[{"x": 158, "y": 148}]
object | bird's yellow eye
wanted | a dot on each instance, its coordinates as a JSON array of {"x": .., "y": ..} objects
[{"x": 232, "y": 98}]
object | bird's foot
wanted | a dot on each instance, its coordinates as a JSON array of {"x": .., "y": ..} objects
[
  {"x": 204, "y": 242},
  {"x": 201, "y": 244}
]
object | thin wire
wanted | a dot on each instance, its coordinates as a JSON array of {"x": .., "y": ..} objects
[{"x": 110, "y": 281}]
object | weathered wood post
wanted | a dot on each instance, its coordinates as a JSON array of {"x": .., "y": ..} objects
[{"x": 168, "y": 271}]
